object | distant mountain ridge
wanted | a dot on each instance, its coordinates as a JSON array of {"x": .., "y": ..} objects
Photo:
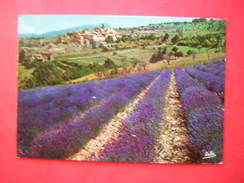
[{"x": 61, "y": 32}]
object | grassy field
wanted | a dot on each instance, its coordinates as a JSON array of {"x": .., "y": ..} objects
[
  {"x": 126, "y": 57},
  {"x": 123, "y": 57},
  {"x": 161, "y": 65}
]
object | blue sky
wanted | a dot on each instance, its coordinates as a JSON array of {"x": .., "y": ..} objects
[{"x": 44, "y": 23}]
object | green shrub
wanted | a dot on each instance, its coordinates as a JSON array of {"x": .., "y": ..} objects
[
  {"x": 179, "y": 54},
  {"x": 175, "y": 49}
]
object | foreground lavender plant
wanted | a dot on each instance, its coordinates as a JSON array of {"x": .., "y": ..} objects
[
  {"x": 217, "y": 67},
  {"x": 212, "y": 82},
  {"x": 204, "y": 113},
  {"x": 43, "y": 108},
  {"x": 59, "y": 141},
  {"x": 137, "y": 136}
]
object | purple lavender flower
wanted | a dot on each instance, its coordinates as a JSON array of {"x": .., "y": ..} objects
[
  {"x": 212, "y": 81},
  {"x": 204, "y": 114},
  {"x": 47, "y": 127},
  {"x": 137, "y": 136}
]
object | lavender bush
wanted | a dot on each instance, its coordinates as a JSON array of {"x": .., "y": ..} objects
[
  {"x": 204, "y": 114},
  {"x": 212, "y": 82},
  {"x": 217, "y": 67},
  {"x": 136, "y": 139},
  {"x": 61, "y": 140}
]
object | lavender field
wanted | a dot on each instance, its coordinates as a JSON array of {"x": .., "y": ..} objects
[{"x": 168, "y": 116}]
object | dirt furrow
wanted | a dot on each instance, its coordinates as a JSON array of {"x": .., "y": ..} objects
[
  {"x": 110, "y": 131},
  {"x": 172, "y": 139}
]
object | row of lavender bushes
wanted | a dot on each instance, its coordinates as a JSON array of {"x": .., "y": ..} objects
[
  {"x": 210, "y": 80},
  {"x": 41, "y": 109},
  {"x": 51, "y": 124},
  {"x": 204, "y": 114},
  {"x": 136, "y": 139},
  {"x": 67, "y": 134},
  {"x": 217, "y": 67}
]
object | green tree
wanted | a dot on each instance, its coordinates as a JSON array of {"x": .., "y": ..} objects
[
  {"x": 175, "y": 49},
  {"x": 179, "y": 54},
  {"x": 109, "y": 64},
  {"x": 175, "y": 39},
  {"x": 118, "y": 40},
  {"x": 189, "y": 52},
  {"x": 47, "y": 73},
  {"x": 165, "y": 37},
  {"x": 125, "y": 38},
  {"x": 109, "y": 39},
  {"x": 25, "y": 58},
  {"x": 160, "y": 55}
]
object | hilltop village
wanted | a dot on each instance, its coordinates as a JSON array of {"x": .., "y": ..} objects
[{"x": 98, "y": 37}]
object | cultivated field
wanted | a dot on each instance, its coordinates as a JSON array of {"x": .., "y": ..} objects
[{"x": 174, "y": 115}]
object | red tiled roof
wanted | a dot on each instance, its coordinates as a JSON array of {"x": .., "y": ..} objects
[{"x": 47, "y": 53}]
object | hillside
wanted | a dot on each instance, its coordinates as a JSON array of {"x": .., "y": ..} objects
[
  {"x": 60, "y": 32},
  {"x": 105, "y": 52}
]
